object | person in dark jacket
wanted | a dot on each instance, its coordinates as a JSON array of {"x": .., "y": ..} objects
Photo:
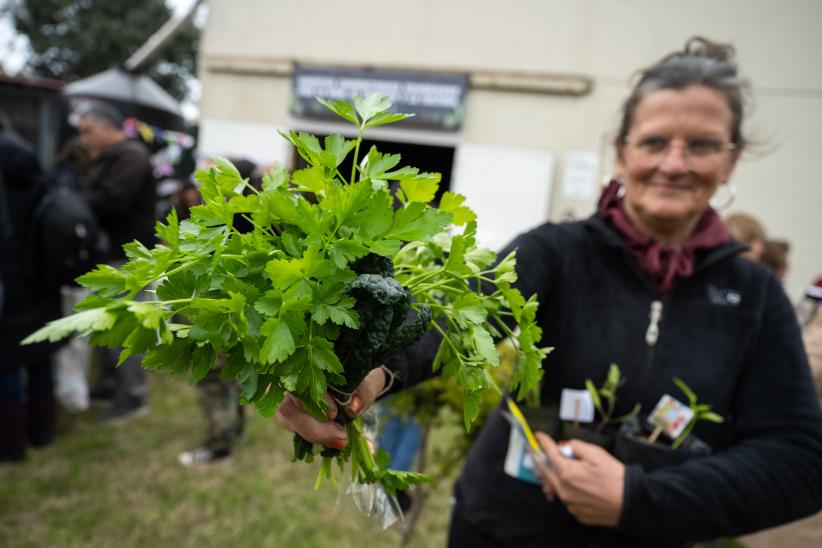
[
  {"x": 121, "y": 191},
  {"x": 654, "y": 283},
  {"x": 27, "y": 405}
]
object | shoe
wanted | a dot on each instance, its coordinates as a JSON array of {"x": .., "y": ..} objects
[
  {"x": 101, "y": 397},
  {"x": 203, "y": 456},
  {"x": 124, "y": 412}
]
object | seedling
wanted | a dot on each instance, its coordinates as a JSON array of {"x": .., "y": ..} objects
[
  {"x": 701, "y": 411},
  {"x": 607, "y": 394}
]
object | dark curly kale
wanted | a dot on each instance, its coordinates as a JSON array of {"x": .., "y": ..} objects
[{"x": 385, "y": 328}]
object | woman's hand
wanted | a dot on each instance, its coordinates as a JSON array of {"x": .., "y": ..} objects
[
  {"x": 332, "y": 434},
  {"x": 591, "y": 485}
]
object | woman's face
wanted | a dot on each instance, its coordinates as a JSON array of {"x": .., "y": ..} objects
[{"x": 677, "y": 153}]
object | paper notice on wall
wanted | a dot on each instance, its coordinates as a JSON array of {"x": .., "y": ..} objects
[
  {"x": 579, "y": 179},
  {"x": 509, "y": 188}
]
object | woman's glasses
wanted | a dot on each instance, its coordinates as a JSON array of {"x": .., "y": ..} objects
[{"x": 699, "y": 154}]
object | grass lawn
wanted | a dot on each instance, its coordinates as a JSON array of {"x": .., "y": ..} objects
[{"x": 121, "y": 486}]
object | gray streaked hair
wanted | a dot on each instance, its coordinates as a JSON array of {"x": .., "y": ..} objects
[{"x": 700, "y": 63}]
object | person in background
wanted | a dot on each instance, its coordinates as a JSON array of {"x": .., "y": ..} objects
[
  {"x": 748, "y": 230},
  {"x": 27, "y": 403},
  {"x": 219, "y": 399},
  {"x": 809, "y": 313},
  {"x": 72, "y": 164},
  {"x": 653, "y": 282},
  {"x": 775, "y": 257},
  {"x": 121, "y": 191}
]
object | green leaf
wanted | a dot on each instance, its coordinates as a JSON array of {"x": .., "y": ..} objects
[
  {"x": 321, "y": 354},
  {"x": 272, "y": 397},
  {"x": 452, "y": 203},
  {"x": 386, "y": 118},
  {"x": 375, "y": 164},
  {"x": 174, "y": 357},
  {"x": 291, "y": 244},
  {"x": 712, "y": 417},
  {"x": 338, "y": 315},
  {"x": 371, "y": 106},
  {"x": 456, "y": 257},
  {"x": 202, "y": 360},
  {"x": 312, "y": 179},
  {"x": 341, "y": 108},
  {"x": 228, "y": 177},
  {"x": 592, "y": 390},
  {"x": 275, "y": 177},
  {"x": 346, "y": 251},
  {"x": 182, "y": 285},
  {"x": 138, "y": 341},
  {"x": 104, "y": 280},
  {"x": 468, "y": 309},
  {"x": 337, "y": 148},
  {"x": 420, "y": 189},
  {"x": 119, "y": 332},
  {"x": 278, "y": 344},
  {"x": 685, "y": 390},
  {"x": 148, "y": 313},
  {"x": 374, "y": 220},
  {"x": 270, "y": 304},
  {"x": 471, "y": 407},
  {"x": 87, "y": 321},
  {"x": 417, "y": 222},
  {"x": 484, "y": 344}
]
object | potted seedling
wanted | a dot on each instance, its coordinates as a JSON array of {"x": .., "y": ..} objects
[
  {"x": 604, "y": 399},
  {"x": 645, "y": 442},
  {"x": 702, "y": 412}
]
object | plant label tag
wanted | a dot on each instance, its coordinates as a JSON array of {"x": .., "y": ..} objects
[
  {"x": 671, "y": 415},
  {"x": 518, "y": 461},
  {"x": 576, "y": 406}
]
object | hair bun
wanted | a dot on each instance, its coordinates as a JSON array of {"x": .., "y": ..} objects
[{"x": 697, "y": 46}]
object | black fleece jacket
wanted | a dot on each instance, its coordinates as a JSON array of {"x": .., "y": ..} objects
[
  {"x": 121, "y": 191},
  {"x": 729, "y": 331}
]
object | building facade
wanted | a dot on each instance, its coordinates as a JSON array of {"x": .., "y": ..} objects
[{"x": 529, "y": 135}]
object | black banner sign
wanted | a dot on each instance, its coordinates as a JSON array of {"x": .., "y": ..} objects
[{"x": 437, "y": 100}]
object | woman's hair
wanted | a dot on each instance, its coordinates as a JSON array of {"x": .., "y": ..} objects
[{"x": 700, "y": 63}]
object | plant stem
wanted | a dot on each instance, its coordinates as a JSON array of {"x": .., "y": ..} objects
[{"x": 356, "y": 155}]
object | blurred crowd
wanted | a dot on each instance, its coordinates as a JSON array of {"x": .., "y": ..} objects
[{"x": 111, "y": 174}]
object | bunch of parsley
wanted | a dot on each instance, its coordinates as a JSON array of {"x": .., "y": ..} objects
[{"x": 273, "y": 301}]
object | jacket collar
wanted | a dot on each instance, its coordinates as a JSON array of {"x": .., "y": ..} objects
[{"x": 608, "y": 236}]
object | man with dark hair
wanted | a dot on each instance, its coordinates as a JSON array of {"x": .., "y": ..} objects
[{"x": 120, "y": 189}]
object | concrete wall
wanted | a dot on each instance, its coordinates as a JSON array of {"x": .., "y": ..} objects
[{"x": 249, "y": 44}]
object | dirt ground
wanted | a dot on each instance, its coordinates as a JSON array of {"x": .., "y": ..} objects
[{"x": 806, "y": 533}]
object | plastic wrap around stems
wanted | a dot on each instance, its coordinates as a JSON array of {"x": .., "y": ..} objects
[{"x": 372, "y": 501}]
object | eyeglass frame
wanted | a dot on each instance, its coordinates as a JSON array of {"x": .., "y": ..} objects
[{"x": 687, "y": 154}]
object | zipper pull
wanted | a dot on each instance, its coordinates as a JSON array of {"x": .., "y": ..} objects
[{"x": 652, "y": 334}]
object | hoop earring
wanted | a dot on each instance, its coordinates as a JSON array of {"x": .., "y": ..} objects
[
  {"x": 621, "y": 191},
  {"x": 722, "y": 206}
]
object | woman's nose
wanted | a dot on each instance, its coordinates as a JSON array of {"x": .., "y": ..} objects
[{"x": 674, "y": 159}]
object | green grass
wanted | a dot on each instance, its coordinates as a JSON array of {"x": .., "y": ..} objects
[{"x": 121, "y": 486}]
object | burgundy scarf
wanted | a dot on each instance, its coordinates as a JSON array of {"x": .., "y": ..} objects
[{"x": 664, "y": 263}]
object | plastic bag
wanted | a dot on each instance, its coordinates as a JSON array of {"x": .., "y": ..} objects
[
  {"x": 371, "y": 500},
  {"x": 71, "y": 375},
  {"x": 71, "y": 362}
]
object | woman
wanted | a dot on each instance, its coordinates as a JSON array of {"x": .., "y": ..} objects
[{"x": 654, "y": 283}]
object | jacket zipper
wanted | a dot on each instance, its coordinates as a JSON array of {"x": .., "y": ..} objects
[{"x": 652, "y": 333}]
